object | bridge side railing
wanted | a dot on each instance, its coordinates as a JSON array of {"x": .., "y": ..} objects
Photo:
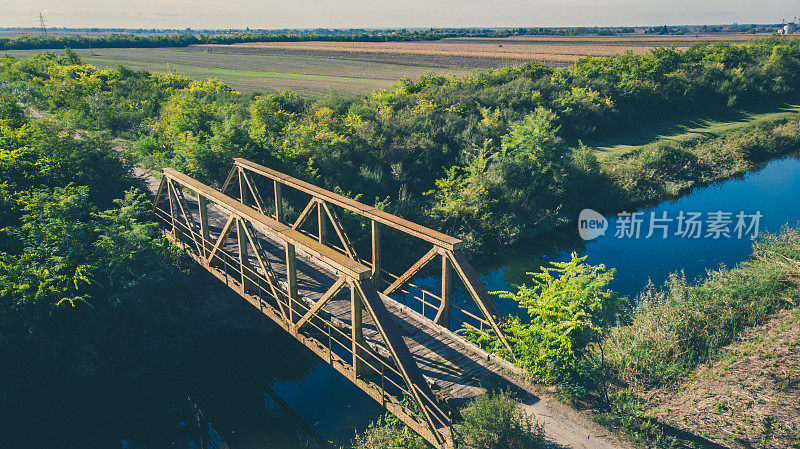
[
  {"x": 366, "y": 363},
  {"x": 443, "y": 247}
]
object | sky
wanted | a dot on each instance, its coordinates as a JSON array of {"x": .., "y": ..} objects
[{"x": 388, "y": 13}]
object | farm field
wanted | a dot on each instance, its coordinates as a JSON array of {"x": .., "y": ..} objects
[
  {"x": 560, "y": 50},
  {"x": 309, "y": 75},
  {"x": 315, "y": 68}
]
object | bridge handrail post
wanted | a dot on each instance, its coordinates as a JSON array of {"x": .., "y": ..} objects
[
  {"x": 171, "y": 207},
  {"x": 244, "y": 258},
  {"x": 356, "y": 322},
  {"x": 443, "y": 316},
  {"x": 204, "y": 230},
  {"x": 376, "y": 253},
  {"x": 242, "y": 186},
  {"x": 330, "y": 345},
  {"x": 278, "y": 201},
  {"x": 322, "y": 229}
]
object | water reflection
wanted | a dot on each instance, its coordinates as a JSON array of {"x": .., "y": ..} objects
[{"x": 261, "y": 389}]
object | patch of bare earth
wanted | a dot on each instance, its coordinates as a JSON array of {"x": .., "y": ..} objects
[
  {"x": 749, "y": 397},
  {"x": 549, "y": 49},
  {"x": 516, "y": 51}
]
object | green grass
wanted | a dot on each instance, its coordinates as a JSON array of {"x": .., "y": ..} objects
[
  {"x": 679, "y": 326},
  {"x": 712, "y": 126},
  {"x": 308, "y": 75}
]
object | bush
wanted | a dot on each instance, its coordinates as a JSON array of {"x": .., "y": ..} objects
[
  {"x": 498, "y": 422},
  {"x": 569, "y": 312},
  {"x": 389, "y": 433}
]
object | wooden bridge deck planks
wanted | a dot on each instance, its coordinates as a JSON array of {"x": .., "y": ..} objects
[{"x": 455, "y": 373}]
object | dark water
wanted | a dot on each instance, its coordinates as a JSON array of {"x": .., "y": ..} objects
[{"x": 235, "y": 377}]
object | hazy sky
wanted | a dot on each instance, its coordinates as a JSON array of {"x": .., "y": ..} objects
[{"x": 383, "y": 13}]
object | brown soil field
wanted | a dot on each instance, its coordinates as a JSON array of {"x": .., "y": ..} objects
[
  {"x": 749, "y": 397},
  {"x": 549, "y": 49}
]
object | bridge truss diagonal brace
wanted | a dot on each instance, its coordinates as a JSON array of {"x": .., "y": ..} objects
[
  {"x": 479, "y": 295},
  {"x": 223, "y": 237},
  {"x": 304, "y": 215},
  {"x": 160, "y": 192},
  {"x": 264, "y": 263},
  {"x": 408, "y": 368},
  {"x": 337, "y": 226},
  {"x": 420, "y": 264},
  {"x": 246, "y": 186},
  {"x": 327, "y": 296},
  {"x": 234, "y": 171},
  {"x": 187, "y": 214}
]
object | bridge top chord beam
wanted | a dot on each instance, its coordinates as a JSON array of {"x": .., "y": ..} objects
[
  {"x": 338, "y": 261},
  {"x": 435, "y": 237}
]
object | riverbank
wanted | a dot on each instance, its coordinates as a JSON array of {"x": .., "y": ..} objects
[
  {"x": 747, "y": 396},
  {"x": 691, "y": 343},
  {"x": 680, "y": 367}
]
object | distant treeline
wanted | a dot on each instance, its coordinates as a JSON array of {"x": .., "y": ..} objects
[
  {"x": 156, "y": 38},
  {"x": 184, "y": 39}
]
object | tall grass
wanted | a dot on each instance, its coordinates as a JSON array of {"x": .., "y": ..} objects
[{"x": 683, "y": 324}]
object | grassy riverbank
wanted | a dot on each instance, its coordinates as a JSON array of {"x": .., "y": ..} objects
[
  {"x": 668, "y": 168},
  {"x": 690, "y": 346}
]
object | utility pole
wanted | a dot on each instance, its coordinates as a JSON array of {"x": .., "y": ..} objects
[{"x": 41, "y": 24}]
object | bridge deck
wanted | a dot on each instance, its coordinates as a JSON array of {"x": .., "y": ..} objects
[{"x": 455, "y": 372}]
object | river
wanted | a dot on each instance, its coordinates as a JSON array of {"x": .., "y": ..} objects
[{"x": 232, "y": 376}]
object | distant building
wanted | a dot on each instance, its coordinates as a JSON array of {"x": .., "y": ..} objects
[{"x": 790, "y": 28}]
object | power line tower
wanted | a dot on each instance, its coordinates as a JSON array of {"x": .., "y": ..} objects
[{"x": 42, "y": 26}]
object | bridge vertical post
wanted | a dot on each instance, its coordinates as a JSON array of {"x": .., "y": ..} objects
[
  {"x": 242, "y": 187},
  {"x": 278, "y": 202},
  {"x": 291, "y": 280},
  {"x": 203, "y": 205},
  {"x": 321, "y": 223},
  {"x": 356, "y": 322},
  {"x": 376, "y": 253},
  {"x": 244, "y": 259},
  {"x": 443, "y": 316}
]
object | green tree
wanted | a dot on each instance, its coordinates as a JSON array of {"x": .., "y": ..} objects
[{"x": 269, "y": 115}]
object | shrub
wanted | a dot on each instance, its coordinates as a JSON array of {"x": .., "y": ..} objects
[
  {"x": 569, "y": 312},
  {"x": 498, "y": 422},
  {"x": 389, "y": 433}
]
